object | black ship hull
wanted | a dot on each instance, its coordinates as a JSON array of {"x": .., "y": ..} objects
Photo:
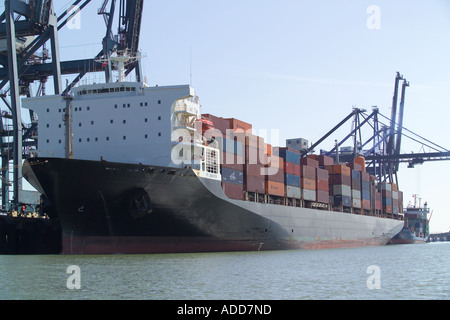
[
  {"x": 405, "y": 236},
  {"x": 108, "y": 208}
]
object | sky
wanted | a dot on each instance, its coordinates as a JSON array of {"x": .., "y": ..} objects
[{"x": 300, "y": 67}]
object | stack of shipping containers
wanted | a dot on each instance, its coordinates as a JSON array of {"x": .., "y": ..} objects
[
  {"x": 232, "y": 167},
  {"x": 340, "y": 185},
  {"x": 366, "y": 199},
  {"x": 356, "y": 189},
  {"x": 254, "y": 164},
  {"x": 323, "y": 178},
  {"x": 308, "y": 167},
  {"x": 291, "y": 160},
  {"x": 274, "y": 178},
  {"x": 252, "y": 171},
  {"x": 386, "y": 197}
]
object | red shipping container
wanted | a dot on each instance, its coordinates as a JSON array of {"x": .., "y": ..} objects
[
  {"x": 322, "y": 174},
  {"x": 378, "y": 204},
  {"x": 387, "y": 209},
  {"x": 325, "y": 160},
  {"x": 220, "y": 124},
  {"x": 378, "y": 196},
  {"x": 386, "y": 194},
  {"x": 365, "y": 176},
  {"x": 233, "y": 191},
  {"x": 254, "y": 170},
  {"x": 292, "y": 168},
  {"x": 395, "y": 203},
  {"x": 307, "y": 172},
  {"x": 232, "y": 161},
  {"x": 322, "y": 196},
  {"x": 366, "y": 204},
  {"x": 254, "y": 184},
  {"x": 354, "y": 166},
  {"x": 278, "y": 176},
  {"x": 322, "y": 185},
  {"x": 340, "y": 179},
  {"x": 309, "y": 162},
  {"x": 238, "y": 125},
  {"x": 322, "y": 179}
]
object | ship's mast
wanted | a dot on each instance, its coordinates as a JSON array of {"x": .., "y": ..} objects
[{"x": 119, "y": 61}]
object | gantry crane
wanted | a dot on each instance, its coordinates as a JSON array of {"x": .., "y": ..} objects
[
  {"x": 27, "y": 26},
  {"x": 382, "y": 149}
]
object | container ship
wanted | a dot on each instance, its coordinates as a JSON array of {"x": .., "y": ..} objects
[
  {"x": 128, "y": 168},
  {"x": 416, "y": 225}
]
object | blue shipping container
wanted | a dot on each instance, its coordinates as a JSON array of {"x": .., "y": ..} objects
[
  {"x": 387, "y": 201},
  {"x": 232, "y": 146},
  {"x": 365, "y": 195},
  {"x": 292, "y": 180},
  {"x": 232, "y": 176},
  {"x": 365, "y": 185},
  {"x": 342, "y": 201},
  {"x": 356, "y": 175},
  {"x": 289, "y": 156}
]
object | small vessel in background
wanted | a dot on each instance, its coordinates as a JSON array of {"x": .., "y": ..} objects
[{"x": 416, "y": 228}]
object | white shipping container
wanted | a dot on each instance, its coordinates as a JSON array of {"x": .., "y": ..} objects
[
  {"x": 386, "y": 186},
  {"x": 356, "y": 203},
  {"x": 342, "y": 189},
  {"x": 395, "y": 195},
  {"x": 293, "y": 192},
  {"x": 356, "y": 194},
  {"x": 309, "y": 194}
]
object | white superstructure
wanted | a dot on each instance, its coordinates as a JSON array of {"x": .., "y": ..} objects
[{"x": 121, "y": 122}]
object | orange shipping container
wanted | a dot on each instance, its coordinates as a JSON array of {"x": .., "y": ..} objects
[
  {"x": 341, "y": 169},
  {"x": 267, "y": 149},
  {"x": 274, "y": 188},
  {"x": 361, "y": 161},
  {"x": 309, "y": 184}
]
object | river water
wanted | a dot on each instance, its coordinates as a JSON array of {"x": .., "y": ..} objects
[{"x": 420, "y": 271}]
